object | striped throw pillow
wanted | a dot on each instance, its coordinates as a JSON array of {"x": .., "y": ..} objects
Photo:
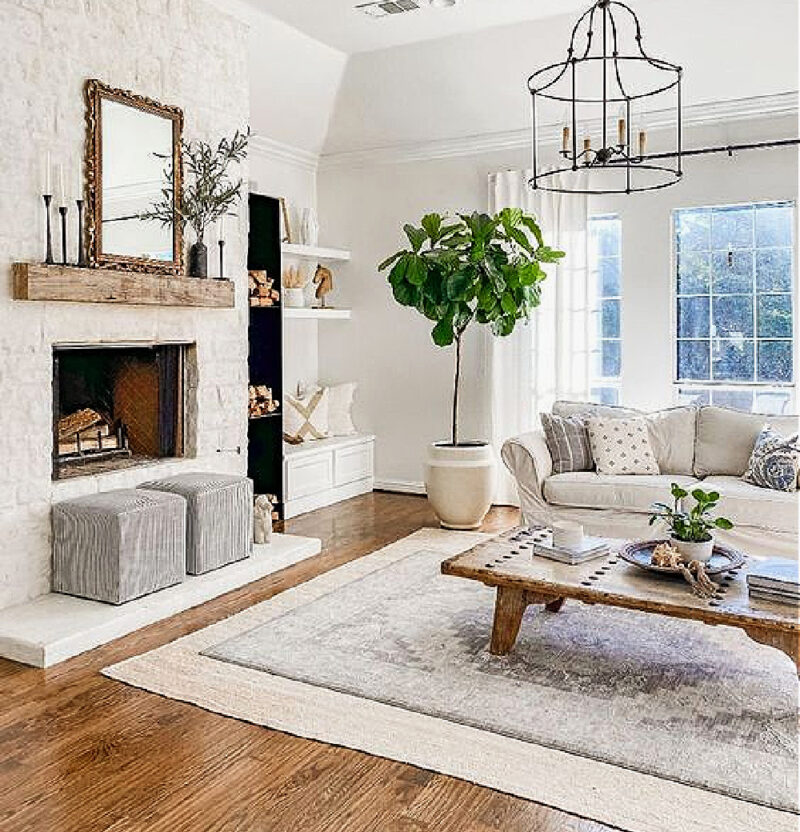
[{"x": 568, "y": 442}]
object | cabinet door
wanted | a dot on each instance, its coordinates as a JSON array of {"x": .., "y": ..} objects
[
  {"x": 353, "y": 463},
  {"x": 309, "y": 475}
]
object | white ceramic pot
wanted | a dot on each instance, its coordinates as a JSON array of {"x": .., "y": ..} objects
[
  {"x": 694, "y": 551},
  {"x": 460, "y": 483},
  {"x": 294, "y": 298}
]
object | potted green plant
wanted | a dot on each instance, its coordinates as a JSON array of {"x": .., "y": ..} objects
[
  {"x": 691, "y": 531},
  {"x": 471, "y": 268},
  {"x": 208, "y": 192}
]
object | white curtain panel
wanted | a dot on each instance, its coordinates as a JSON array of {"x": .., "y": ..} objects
[{"x": 547, "y": 359}]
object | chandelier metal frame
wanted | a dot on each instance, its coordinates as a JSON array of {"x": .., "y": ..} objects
[{"x": 616, "y": 94}]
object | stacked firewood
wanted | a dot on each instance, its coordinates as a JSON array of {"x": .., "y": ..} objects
[
  {"x": 261, "y": 401},
  {"x": 261, "y": 291},
  {"x": 87, "y": 431}
]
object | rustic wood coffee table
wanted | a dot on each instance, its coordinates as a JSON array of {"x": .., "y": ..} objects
[{"x": 507, "y": 563}]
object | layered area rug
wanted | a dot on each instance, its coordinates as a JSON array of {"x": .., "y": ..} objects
[{"x": 639, "y": 721}]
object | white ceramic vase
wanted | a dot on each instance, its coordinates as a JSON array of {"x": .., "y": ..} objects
[
  {"x": 310, "y": 227},
  {"x": 294, "y": 298},
  {"x": 694, "y": 551},
  {"x": 460, "y": 483}
]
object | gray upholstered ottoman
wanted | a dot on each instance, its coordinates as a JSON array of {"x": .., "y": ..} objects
[
  {"x": 219, "y": 517},
  {"x": 118, "y": 545}
]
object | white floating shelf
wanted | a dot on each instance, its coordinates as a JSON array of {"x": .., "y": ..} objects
[
  {"x": 317, "y": 314},
  {"x": 314, "y": 252}
]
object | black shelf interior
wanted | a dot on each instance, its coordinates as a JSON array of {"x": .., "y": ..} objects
[{"x": 265, "y": 433}]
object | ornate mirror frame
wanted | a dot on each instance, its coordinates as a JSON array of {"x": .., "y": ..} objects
[{"x": 96, "y": 92}]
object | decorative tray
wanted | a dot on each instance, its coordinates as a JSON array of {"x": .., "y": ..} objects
[{"x": 640, "y": 554}]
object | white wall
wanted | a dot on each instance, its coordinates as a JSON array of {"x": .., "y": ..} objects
[{"x": 405, "y": 382}]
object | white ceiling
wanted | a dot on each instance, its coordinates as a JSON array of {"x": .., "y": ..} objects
[{"x": 338, "y": 24}]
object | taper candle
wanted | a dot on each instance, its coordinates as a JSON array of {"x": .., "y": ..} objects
[
  {"x": 622, "y": 128},
  {"x": 565, "y": 137},
  {"x": 48, "y": 174},
  {"x": 642, "y": 142}
]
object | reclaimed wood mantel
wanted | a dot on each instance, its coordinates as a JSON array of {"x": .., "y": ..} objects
[{"x": 37, "y": 281}]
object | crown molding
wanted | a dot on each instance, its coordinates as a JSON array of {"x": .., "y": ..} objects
[
  {"x": 286, "y": 154},
  {"x": 715, "y": 112}
]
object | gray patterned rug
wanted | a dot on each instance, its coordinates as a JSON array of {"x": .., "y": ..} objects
[{"x": 688, "y": 703}]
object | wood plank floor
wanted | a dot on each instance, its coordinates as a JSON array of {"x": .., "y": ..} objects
[{"x": 79, "y": 752}]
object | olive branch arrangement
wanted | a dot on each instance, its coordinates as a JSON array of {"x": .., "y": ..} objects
[{"x": 209, "y": 193}]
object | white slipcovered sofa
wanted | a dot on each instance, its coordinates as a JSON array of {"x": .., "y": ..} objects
[{"x": 707, "y": 447}]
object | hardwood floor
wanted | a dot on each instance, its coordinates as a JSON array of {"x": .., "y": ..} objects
[{"x": 79, "y": 752}]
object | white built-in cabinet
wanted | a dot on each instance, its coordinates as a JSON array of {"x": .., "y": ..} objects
[
  {"x": 326, "y": 471},
  {"x": 323, "y": 472}
]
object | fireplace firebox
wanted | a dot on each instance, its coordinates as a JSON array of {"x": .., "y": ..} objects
[{"x": 115, "y": 406}]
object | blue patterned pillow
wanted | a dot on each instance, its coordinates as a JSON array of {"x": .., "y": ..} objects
[{"x": 775, "y": 461}]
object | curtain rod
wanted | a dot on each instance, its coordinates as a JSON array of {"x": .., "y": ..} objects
[{"x": 730, "y": 149}]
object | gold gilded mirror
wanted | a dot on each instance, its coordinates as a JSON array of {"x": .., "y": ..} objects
[{"x": 133, "y": 161}]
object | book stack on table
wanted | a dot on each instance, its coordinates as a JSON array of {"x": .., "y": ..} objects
[
  {"x": 777, "y": 579},
  {"x": 588, "y": 549}
]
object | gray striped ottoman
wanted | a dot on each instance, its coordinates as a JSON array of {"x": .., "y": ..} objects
[
  {"x": 118, "y": 545},
  {"x": 219, "y": 517}
]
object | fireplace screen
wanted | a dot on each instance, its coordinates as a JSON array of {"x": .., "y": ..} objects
[{"x": 116, "y": 406}]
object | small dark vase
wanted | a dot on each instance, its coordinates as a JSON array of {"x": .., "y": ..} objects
[{"x": 198, "y": 259}]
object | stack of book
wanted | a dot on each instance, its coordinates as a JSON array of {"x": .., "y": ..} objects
[
  {"x": 775, "y": 580},
  {"x": 589, "y": 549}
]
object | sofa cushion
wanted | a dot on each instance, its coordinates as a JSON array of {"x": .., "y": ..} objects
[
  {"x": 567, "y": 440},
  {"x": 621, "y": 446},
  {"x": 672, "y": 431},
  {"x": 748, "y": 505},
  {"x": 726, "y": 438},
  {"x": 775, "y": 462},
  {"x": 628, "y": 492}
]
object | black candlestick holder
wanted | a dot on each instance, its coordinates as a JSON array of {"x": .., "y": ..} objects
[
  {"x": 48, "y": 257},
  {"x": 62, "y": 209},
  {"x": 82, "y": 261},
  {"x": 221, "y": 245}
]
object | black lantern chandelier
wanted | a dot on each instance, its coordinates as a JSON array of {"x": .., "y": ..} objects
[
  {"x": 605, "y": 90},
  {"x": 607, "y": 93}
]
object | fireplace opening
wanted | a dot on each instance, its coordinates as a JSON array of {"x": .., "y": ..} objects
[{"x": 116, "y": 406}]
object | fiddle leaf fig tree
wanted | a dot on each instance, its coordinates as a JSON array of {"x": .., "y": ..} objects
[{"x": 471, "y": 268}]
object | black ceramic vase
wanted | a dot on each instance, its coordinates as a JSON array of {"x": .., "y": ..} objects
[{"x": 198, "y": 260}]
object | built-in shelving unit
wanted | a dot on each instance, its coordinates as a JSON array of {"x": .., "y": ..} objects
[
  {"x": 314, "y": 252},
  {"x": 265, "y": 433},
  {"x": 318, "y": 313}
]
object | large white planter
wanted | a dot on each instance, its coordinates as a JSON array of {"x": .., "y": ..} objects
[
  {"x": 460, "y": 483},
  {"x": 694, "y": 551}
]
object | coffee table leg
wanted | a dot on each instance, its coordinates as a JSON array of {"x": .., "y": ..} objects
[
  {"x": 788, "y": 642},
  {"x": 509, "y": 607}
]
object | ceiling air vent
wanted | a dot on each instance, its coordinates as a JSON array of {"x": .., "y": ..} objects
[{"x": 385, "y": 8}]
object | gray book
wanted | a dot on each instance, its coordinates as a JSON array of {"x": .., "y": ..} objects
[
  {"x": 589, "y": 549},
  {"x": 776, "y": 573}
]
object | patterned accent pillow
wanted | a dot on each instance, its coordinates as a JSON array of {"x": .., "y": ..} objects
[
  {"x": 775, "y": 461},
  {"x": 621, "y": 446},
  {"x": 568, "y": 442},
  {"x": 306, "y": 417}
]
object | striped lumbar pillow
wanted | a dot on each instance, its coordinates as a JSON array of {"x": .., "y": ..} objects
[
  {"x": 306, "y": 417},
  {"x": 568, "y": 442}
]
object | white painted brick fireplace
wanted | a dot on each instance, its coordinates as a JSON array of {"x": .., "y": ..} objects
[{"x": 177, "y": 52}]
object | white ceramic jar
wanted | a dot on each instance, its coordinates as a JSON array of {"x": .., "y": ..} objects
[{"x": 460, "y": 483}]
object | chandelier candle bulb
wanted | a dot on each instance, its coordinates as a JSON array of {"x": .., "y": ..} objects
[
  {"x": 642, "y": 142},
  {"x": 622, "y": 128},
  {"x": 565, "y": 138}
]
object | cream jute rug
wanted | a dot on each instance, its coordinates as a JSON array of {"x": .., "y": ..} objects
[{"x": 642, "y": 722}]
